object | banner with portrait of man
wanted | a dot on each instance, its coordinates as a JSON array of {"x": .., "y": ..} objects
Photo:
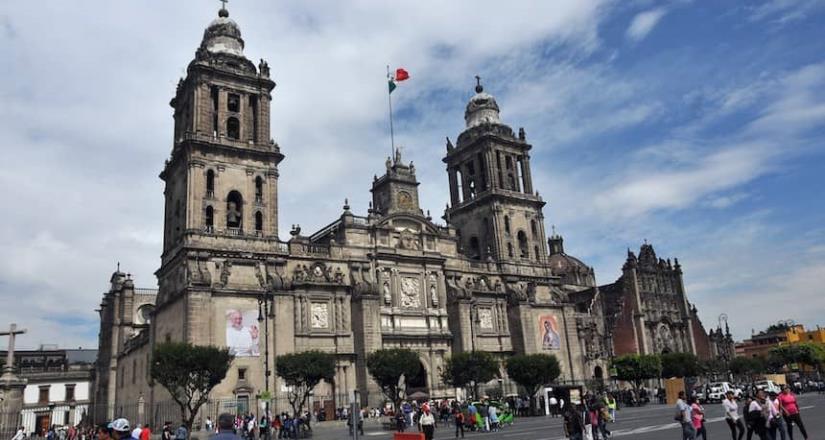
[
  {"x": 549, "y": 332},
  {"x": 242, "y": 332}
]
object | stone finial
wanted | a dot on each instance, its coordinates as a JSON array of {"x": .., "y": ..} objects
[{"x": 346, "y": 204}]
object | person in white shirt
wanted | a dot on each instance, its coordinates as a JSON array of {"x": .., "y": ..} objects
[
  {"x": 136, "y": 433},
  {"x": 20, "y": 435},
  {"x": 732, "y": 417},
  {"x": 242, "y": 340},
  {"x": 426, "y": 422}
]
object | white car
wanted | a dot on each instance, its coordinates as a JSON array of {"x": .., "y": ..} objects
[
  {"x": 768, "y": 386},
  {"x": 718, "y": 390}
]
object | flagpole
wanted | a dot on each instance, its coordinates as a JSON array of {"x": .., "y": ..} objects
[{"x": 392, "y": 133}]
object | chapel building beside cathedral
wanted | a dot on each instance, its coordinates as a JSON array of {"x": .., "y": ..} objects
[{"x": 487, "y": 279}]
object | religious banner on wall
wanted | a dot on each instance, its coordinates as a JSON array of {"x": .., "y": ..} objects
[
  {"x": 549, "y": 328},
  {"x": 242, "y": 332}
]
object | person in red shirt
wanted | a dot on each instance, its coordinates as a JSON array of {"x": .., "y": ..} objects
[
  {"x": 145, "y": 433},
  {"x": 790, "y": 411}
]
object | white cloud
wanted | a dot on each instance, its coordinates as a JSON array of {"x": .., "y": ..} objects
[
  {"x": 643, "y": 23},
  {"x": 782, "y": 12}
]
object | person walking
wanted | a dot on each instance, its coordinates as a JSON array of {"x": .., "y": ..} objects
[
  {"x": 226, "y": 428},
  {"x": 776, "y": 424},
  {"x": 492, "y": 413},
  {"x": 458, "y": 417},
  {"x": 697, "y": 413},
  {"x": 426, "y": 423},
  {"x": 181, "y": 433},
  {"x": 573, "y": 425},
  {"x": 19, "y": 435},
  {"x": 554, "y": 406},
  {"x": 611, "y": 403},
  {"x": 790, "y": 412},
  {"x": 683, "y": 416},
  {"x": 732, "y": 418},
  {"x": 757, "y": 418}
]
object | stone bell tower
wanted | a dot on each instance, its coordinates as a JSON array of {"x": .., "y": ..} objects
[
  {"x": 221, "y": 181},
  {"x": 222, "y": 176},
  {"x": 493, "y": 205}
]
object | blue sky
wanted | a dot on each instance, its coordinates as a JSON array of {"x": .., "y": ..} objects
[{"x": 698, "y": 126}]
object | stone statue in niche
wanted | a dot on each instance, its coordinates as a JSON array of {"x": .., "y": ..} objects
[
  {"x": 300, "y": 273},
  {"x": 233, "y": 215},
  {"x": 226, "y": 270},
  {"x": 483, "y": 283},
  {"x": 387, "y": 294},
  {"x": 317, "y": 272},
  {"x": 434, "y": 294},
  {"x": 338, "y": 276},
  {"x": 410, "y": 292}
]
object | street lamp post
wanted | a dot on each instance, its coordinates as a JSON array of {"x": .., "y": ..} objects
[{"x": 266, "y": 311}]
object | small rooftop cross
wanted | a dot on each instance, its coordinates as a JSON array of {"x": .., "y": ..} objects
[
  {"x": 223, "y": 3},
  {"x": 13, "y": 331},
  {"x": 479, "y": 89}
]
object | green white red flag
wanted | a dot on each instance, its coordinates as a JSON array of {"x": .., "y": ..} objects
[{"x": 400, "y": 75}]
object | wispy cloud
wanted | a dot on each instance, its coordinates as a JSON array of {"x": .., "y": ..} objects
[{"x": 643, "y": 23}]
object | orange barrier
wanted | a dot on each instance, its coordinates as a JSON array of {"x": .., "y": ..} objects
[{"x": 408, "y": 436}]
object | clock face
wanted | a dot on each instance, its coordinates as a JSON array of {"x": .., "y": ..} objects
[{"x": 405, "y": 200}]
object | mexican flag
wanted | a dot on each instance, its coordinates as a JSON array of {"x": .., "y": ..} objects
[{"x": 400, "y": 75}]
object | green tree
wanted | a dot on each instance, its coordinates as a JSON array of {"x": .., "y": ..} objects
[
  {"x": 746, "y": 366},
  {"x": 532, "y": 371},
  {"x": 680, "y": 365},
  {"x": 470, "y": 368},
  {"x": 189, "y": 372},
  {"x": 812, "y": 355},
  {"x": 302, "y": 372},
  {"x": 387, "y": 367},
  {"x": 636, "y": 368}
]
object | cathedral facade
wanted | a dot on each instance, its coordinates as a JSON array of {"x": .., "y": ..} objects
[{"x": 487, "y": 279}]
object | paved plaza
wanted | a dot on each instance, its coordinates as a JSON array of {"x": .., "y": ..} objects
[{"x": 651, "y": 422}]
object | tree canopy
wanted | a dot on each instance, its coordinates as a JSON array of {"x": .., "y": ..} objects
[
  {"x": 680, "y": 365},
  {"x": 636, "y": 368},
  {"x": 388, "y": 366},
  {"x": 189, "y": 372},
  {"x": 532, "y": 371},
  {"x": 302, "y": 372},
  {"x": 806, "y": 353},
  {"x": 470, "y": 367}
]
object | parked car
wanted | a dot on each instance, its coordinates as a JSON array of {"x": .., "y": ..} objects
[
  {"x": 718, "y": 390},
  {"x": 767, "y": 386}
]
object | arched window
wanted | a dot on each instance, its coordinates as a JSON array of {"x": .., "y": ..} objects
[
  {"x": 475, "y": 249},
  {"x": 234, "y": 210},
  {"x": 233, "y": 128},
  {"x": 533, "y": 228},
  {"x": 259, "y": 189},
  {"x": 259, "y": 222},
  {"x": 210, "y": 183},
  {"x": 506, "y": 224},
  {"x": 538, "y": 255},
  {"x": 524, "y": 250},
  {"x": 509, "y": 249},
  {"x": 209, "y": 219}
]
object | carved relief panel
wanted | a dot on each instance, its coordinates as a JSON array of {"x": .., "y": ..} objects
[
  {"x": 319, "y": 315},
  {"x": 410, "y": 293}
]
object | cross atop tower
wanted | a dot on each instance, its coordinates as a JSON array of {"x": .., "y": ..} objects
[
  {"x": 223, "y": 3},
  {"x": 479, "y": 89},
  {"x": 13, "y": 331}
]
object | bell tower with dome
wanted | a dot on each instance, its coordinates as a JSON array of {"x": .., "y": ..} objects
[{"x": 493, "y": 205}]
